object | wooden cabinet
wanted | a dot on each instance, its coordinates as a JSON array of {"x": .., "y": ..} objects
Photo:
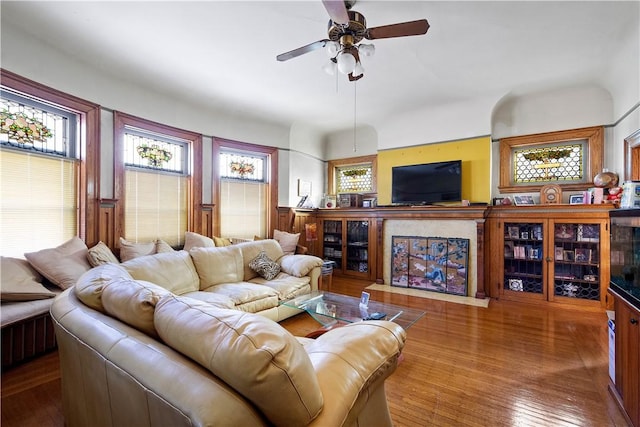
[
  {"x": 625, "y": 287},
  {"x": 628, "y": 358},
  {"x": 348, "y": 242},
  {"x": 549, "y": 254}
]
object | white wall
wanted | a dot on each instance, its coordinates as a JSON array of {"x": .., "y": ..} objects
[{"x": 340, "y": 145}]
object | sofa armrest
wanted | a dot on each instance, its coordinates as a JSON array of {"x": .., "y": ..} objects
[{"x": 351, "y": 363}]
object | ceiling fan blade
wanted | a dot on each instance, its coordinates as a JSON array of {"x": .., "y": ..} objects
[
  {"x": 301, "y": 50},
  {"x": 337, "y": 11},
  {"x": 412, "y": 28}
]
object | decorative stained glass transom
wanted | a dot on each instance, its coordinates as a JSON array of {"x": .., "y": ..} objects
[
  {"x": 149, "y": 151},
  {"x": 242, "y": 166},
  {"x": 549, "y": 163},
  {"x": 32, "y": 125},
  {"x": 354, "y": 179}
]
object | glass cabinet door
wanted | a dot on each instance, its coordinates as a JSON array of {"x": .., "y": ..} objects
[
  {"x": 576, "y": 260},
  {"x": 523, "y": 258},
  {"x": 357, "y": 246},
  {"x": 332, "y": 241}
]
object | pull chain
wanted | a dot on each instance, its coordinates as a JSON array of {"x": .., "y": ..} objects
[{"x": 355, "y": 103}]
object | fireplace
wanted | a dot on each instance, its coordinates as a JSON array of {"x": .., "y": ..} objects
[{"x": 444, "y": 230}]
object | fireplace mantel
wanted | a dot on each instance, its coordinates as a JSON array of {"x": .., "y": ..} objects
[{"x": 469, "y": 214}]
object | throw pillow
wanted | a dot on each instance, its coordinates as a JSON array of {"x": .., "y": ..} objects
[
  {"x": 218, "y": 265},
  {"x": 265, "y": 266},
  {"x": 20, "y": 282},
  {"x": 62, "y": 265},
  {"x": 221, "y": 241},
  {"x": 252, "y": 354},
  {"x": 101, "y": 254},
  {"x": 130, "y": 250},
  {"x": 288, "y": 241},
  {"x": 195, "y": 240},
  {"x": 299, "y": 265}
]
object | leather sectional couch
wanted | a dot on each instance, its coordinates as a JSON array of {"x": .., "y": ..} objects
[{"x": 139, "y": 346}]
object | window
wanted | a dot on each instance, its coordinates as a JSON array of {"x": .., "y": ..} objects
[
  {"x": 568, "y": 158},
  {"x": 353, "y": 175},
  {"x": 245, "y": 195},
  {"x": 47, "y": 141},
  {"x": 158, "y": 183}
]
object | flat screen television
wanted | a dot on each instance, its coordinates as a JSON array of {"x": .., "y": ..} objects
[{"x": 427, "y": 183}]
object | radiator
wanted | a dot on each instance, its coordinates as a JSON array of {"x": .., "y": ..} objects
[{"x": 26, "y": 339}]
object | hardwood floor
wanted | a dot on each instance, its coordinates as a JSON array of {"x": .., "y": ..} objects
[{"x": 507, "y": 365}]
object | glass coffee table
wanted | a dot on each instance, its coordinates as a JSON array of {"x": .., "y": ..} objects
[{"x": 332, "y": 309}]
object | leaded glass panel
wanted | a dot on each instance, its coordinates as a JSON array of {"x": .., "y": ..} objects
[
  {"x": 354, "y": 179},
  {"x": 549, "y": 163}
]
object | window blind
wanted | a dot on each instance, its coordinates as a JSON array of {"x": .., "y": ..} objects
[
  {"x": 39, "y": 202},
  {"x": 156, "y": 206},
  {"x": 243, "y": 209}
]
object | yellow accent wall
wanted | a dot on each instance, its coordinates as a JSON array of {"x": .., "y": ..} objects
[{"x": 476, "y": 165}]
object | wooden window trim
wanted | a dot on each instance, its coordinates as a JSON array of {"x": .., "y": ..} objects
[
  {"x": 89, "y": 174},
  {"x": 271, "y": 152},
  {"x": 120, "y": 121},
  {"x": 332, "y": 165},
  {"x": 595, "y": 152},
  {"x": 632, "y": 157}
]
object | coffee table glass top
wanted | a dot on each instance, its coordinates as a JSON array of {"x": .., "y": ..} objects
[{"x": 329, "y": 308}]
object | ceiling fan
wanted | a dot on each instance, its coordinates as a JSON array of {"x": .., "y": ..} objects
[{"x": 347, "y": 28}]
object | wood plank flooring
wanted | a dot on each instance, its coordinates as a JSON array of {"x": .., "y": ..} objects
[{"x": 511, "y": 364}]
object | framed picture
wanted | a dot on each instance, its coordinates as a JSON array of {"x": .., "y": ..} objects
[
  {"x": 513, "y": 232},
  {"x": 588, "y": 232},
  {"x": 569, "y": 256},
  {"x": 364, "y": 299},
  {"x": 582, "y": 255},
  {"x": 304, "y": 188},
  {"x": 523, "y": 200},
  {"x": 559, "y": 255},
  {"x": 564, "y": 232},
  {"x": 508, "y": 249},
  {"x": 576, "y": 199}
]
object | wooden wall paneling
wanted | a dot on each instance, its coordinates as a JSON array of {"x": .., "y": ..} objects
[
  {"x": 632, "y": 157},
  {"x": 107, "y": 223},
  {"x": 206, "y": 220}
]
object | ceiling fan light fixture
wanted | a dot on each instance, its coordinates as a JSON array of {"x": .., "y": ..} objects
[
  {"x": 358, "y": 70},
  {"x": 330, "y": 67},
  {"x": 346, "y": 62},
  {"x": 332, "y": 48},
  {"x": 367, "y": 49}
]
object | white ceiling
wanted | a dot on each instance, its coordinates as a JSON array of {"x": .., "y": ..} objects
[{"x": 223, "y": 53}]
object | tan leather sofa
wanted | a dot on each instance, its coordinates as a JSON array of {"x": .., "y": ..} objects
[
  {"x": 140, "y": 355},
  {"x": 223, "y": 276}
]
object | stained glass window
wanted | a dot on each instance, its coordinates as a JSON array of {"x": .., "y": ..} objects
[
  {"x": 150, "y": 151},
  {"x": 549, "y": 163},
  {"x": 35, "y": 126},
  {"x": 245, "y": 166},
  {"x": 354, "y": 179}
]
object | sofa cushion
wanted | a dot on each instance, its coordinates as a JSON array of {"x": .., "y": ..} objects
[
  {"x": 20, "y": 282},
  {"x": 243, "y": 292},
  {"x": 254, "y": 355},
  {"x": 133, "y": 302},
  {"x": 101, "y": 254},
  {"x": 215, "y": 299},
  {"x": 195, "y": 240},
  {"x": 173, "y": 271},
  {"x": 250, "y": 250},
  {"x": 130, "y": 250},
  {"x": 62, "y": 265},
  {"x": 285, "y": 285},
  {"x": 90, "y": 285},
  {"x": 288, "y": 241},
  {"x": 299, "y": 265},
  {"x": 264, "y": 266},
  {"x": 217, "y": 265}
]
